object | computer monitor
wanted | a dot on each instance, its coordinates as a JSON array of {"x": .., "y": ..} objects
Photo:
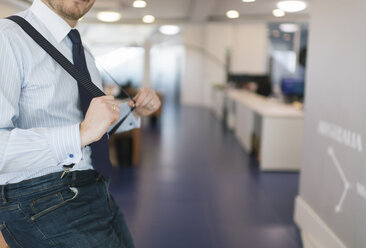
[
  {"x": 263, "y": 82},
  {"x": 293, "y": 87}
]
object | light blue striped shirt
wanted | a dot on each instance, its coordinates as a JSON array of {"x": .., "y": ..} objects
[{"x": 40, "y": 110}]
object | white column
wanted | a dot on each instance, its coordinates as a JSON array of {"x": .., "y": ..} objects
[{"x": 146, "y": 82}]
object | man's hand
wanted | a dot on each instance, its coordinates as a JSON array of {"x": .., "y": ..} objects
[
  {"x": 147, "y": 102},
  {"x": 102, "y": 113}
]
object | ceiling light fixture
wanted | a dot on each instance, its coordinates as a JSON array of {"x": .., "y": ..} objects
[
  {"x": 109, "y": 16},
  {"x": 248, "y": 1},
  {"x": 139, "y": 4},
  {"x": 278, "y": 13},
  {"x": 289, "y": 27},
  {"x": 232, "y": 14},
  {"x": 292, "y": 6},
  {"x": 169, "y": 29},
  {"x": 148, "y": 19}
]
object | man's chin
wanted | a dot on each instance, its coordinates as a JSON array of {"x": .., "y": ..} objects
[
  {"x": 76, "y": 12},
  {"x": 80, "y": 8},
  {"x": 74, "y": 17},
  {"x": 82, "y": 1}
]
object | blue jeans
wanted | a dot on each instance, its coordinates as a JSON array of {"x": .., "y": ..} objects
[{"x": 74, "y": 212}]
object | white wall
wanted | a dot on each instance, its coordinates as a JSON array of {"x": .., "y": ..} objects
[
  {"x": 206, "y": 47},
  {"x": 218, "y": 39},
  {"x": 249, "y": 49},
  {"x": 166, "y": 63},
  {"x": 192, "y": 83}
]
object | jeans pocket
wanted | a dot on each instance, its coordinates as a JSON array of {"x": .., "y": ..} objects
[
  {"x": 49, "y": 203},
  {"x": 9, "y": 237}
]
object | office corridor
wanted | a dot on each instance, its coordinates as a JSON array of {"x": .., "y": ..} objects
[{"x": 196, "y": 187}]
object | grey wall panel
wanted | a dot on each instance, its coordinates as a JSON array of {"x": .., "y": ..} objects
[{"x": 333, "y": 177}]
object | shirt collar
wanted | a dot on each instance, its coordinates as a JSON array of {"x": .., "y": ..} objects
[{"x": 52, "y": 21}]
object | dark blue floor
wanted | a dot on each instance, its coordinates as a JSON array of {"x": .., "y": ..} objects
[{"x": 196, "y": 187}]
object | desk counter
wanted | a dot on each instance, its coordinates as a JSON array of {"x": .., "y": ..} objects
[{"x": 276, "y": 128}]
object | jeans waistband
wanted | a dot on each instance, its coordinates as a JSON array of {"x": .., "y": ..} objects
[{"x": 27, "y": 187}]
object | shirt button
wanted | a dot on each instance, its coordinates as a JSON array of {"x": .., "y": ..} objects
[
  {"x": 131, "y": 123},
  {"x": 71, "y": 155}
]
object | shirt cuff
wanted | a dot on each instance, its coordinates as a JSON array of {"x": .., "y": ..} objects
[{"x": 65, "y": 144}]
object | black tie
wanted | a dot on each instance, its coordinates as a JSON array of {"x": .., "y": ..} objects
[{"x": 100, "y": 149}]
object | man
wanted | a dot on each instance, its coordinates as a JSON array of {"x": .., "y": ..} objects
[{"x": 50, "y": 124}]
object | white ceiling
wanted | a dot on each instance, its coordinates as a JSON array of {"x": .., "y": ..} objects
[
  {"x": 178, "y": 11},
  {"x": 94, "y": 36},
  {"x": 166, "y": 11}
]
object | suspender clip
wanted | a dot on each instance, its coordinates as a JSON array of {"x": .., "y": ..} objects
[{"x": 66, "y": 170}]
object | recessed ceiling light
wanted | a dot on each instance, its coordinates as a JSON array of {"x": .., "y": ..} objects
[
  {"x": 292, "y": 6},
  {"x": 109, "y": 16},
  {"x": 148, "y": 19},
  {"x": 139, "y": 4},
  {"x": 248, "y": 1},
  {"x": 288, "y": 27},
  {"x": 232, "y": 14},
  {"x": 169, "y": 29},
  {"x": 278, "y": 13}
]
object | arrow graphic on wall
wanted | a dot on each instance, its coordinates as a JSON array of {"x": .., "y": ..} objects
[{"x": 347, "y": 185}]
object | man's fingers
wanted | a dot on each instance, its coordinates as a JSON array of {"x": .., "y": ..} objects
[
  {"x": 111, "y": 102},
  {"x": 155, "y": 103},
  {"x": 108, "y": 97},
  {"x": 111, "y": 106},
  {"x": 140, "y": 97},
  {"x": 145, "y": 103},
  {"x": 131, "y": 103},
  {"x": 146, "y": 99}
]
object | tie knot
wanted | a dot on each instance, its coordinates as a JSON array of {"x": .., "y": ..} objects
[{"x": 75, "y": 37}]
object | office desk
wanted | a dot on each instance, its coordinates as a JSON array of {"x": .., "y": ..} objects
[{"x": 278, "y": 126}]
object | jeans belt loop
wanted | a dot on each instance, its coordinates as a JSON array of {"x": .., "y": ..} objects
[
  {"x": 73, "y": 179},
  {"x": 3, "y": 194}
]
